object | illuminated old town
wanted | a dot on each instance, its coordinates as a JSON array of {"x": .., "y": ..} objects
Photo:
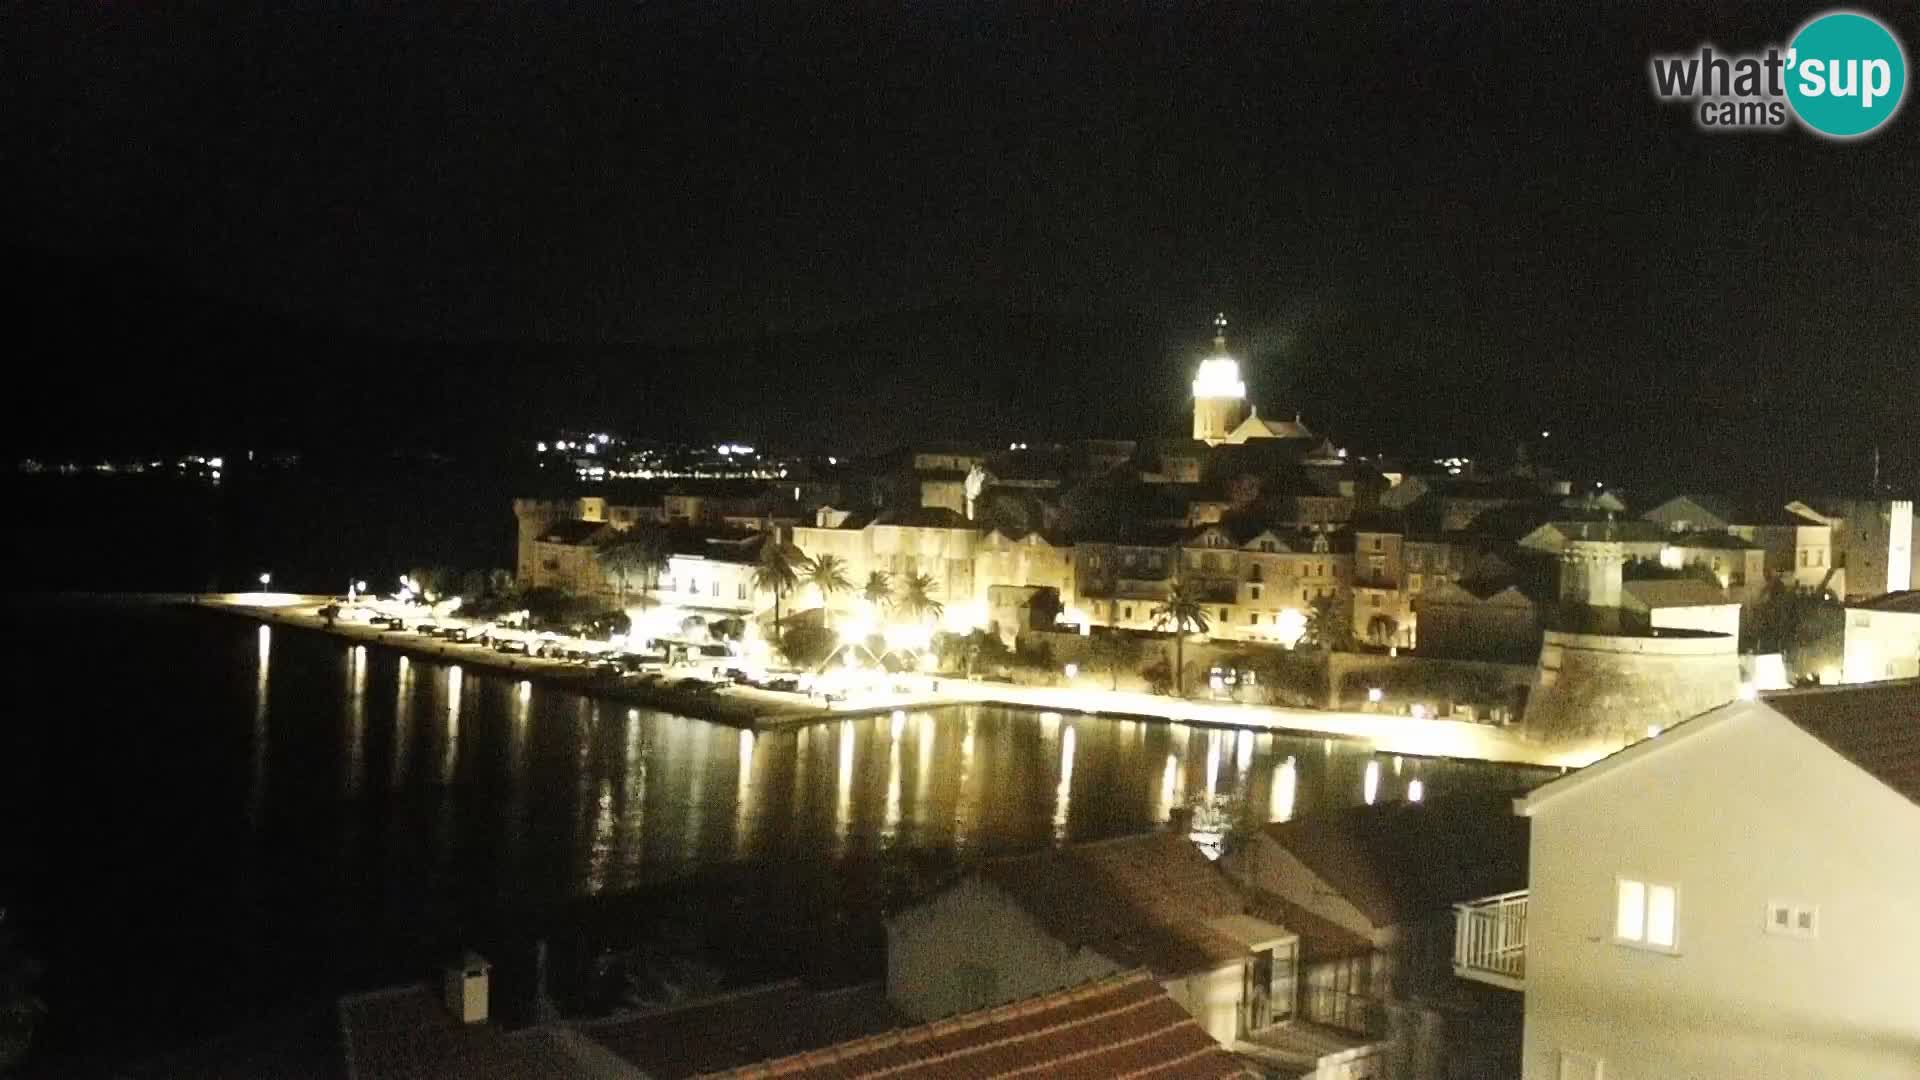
[{"x": 747, "y": 541}]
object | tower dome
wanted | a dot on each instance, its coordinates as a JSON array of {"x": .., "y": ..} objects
[{"x": 1219, "y": 396}]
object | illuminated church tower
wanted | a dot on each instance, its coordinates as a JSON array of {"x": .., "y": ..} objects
[{"x": 1219, "y": 397}]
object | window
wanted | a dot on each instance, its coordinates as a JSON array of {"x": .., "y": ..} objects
[
  {"x": 1415, "y": 582},
  {"x": 1129, "y": 612},
  {"x": 1266, "y": 545},
  {"x": 1645, "y": 915},
  {"x": 1253, "y": 618},
  {"x": 1789, "y": 919},
  {"x": 743, "y": 591},
  {"x": 1225, "y": 615},
  {"x": 1255, "y": 591}
]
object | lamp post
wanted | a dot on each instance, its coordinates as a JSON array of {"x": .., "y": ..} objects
[{"x": 266, "y": 579}]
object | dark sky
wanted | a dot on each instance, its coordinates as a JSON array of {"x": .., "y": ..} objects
[{"x": 1435, "y": 225}]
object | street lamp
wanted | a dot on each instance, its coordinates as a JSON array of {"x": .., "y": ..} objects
[{"x": 266, "y": 580}]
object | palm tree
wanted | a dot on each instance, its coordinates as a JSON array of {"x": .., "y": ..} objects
[
  {"x": 1181, "y": 609},
  {"x": 829, "y": 575},
  {"x": 879, "y": 589},
  {"x": 623, "y": 557},
  {"x": 1324, "y": 627},
  {"x": 778, "y": 572},
  {"x": 916, "y": 598}
]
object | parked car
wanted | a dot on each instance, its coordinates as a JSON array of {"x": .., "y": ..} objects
[{"x": 513, "y": 646}]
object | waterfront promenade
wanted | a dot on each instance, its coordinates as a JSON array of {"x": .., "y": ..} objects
[{"x": 750, "y": 707}]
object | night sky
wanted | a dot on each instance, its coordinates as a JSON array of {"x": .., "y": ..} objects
[{"x": 1436, "y": 227}]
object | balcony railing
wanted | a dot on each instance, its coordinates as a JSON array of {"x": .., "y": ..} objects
[{"x": 1490, "y": 939}]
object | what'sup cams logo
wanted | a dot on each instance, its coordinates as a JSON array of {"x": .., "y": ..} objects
[{"x": 1842, "y": 76}]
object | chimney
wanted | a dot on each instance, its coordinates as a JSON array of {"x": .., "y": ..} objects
[{"x": 465, "y": 988}]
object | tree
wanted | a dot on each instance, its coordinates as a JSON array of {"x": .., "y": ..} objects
[
  {"x": 20, "y": 1009},
  {"x": 879, "y": 589},
  {"x": 1044, "y": 609},
  {"x": 1382, "y": 629},
  {"x": 778, "y": 572},
  {"x": 916, "y": 598},
  {"x": 808, "y": 646},
  {"x": 499, "y": 582},
  {"x": 1182, "y": 610},
  {"x": 473, "y": 585},
  {"x": 623, "y": 556},
  {"x": 829, "y": 575},
  {"x": 1325, "y": 629},
  {"x": 966, "y": 652},
  {"x": 1113, "y": 652}
]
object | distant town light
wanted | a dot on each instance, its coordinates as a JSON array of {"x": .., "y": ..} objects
[
  {"x": 1419, "y": 712},
  {"x": 266, "y": 579},
  {"x": 217, "y": 463},
  {"x": 1374, "y": 694},
  {"x": 1546, "y": 434},
  {"x": 1072, "y": 671},
  {"x": 539, "y": 448},
  {"x": 1415, "y": 791},
  {"x": 833, "y": 460}
]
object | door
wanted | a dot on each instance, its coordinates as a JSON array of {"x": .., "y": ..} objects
[{"x": 1257, "y": 995}]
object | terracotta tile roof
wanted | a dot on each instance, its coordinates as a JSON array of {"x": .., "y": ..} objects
[
  {"x": 1124, "y": 1026},
  {"x": 1141, "y": 900},
  {"x": 1399, "y": 861},
  {"x": 1907, "y": 602},
  {"x": 1874, "y": 725},
  {"x": 407, "y": 1034},
  {"x": 734, "y": 1030}
]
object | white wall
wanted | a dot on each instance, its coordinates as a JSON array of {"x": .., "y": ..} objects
[
  {"x": 1881, "y": 645},
  {"x": 1213, "y": 998},
  {"x": 1749, "y": 811},
  {"x": 974, "y": 925}
]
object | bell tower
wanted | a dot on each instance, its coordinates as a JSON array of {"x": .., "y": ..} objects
[{"x": 1219, "y": 397}]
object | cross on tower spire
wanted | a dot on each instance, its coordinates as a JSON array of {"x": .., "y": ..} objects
[{"x": 1220, "y": 331}]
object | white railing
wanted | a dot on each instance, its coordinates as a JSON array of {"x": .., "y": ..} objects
[{"x": 1490, "y": 939}]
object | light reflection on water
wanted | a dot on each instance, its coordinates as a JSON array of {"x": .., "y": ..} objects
[{"x": 579, "y": 797}]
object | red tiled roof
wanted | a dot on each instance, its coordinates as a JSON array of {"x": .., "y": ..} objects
[
  {"x": 1399, "y": 861},
  {"x": 737, "y": 1029},
  {"x": 1141, "y": 900},
  {"x": 407, "y": 1034},
  {"x": 1874, "y": 725},
  {"x": 1907, "y": 602},
  {"x": 1124, "y": 1026}
]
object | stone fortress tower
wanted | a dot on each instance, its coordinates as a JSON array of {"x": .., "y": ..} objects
[
  {"x": 1605, "y": 677},
  {"x": 1219, "y": 397}
]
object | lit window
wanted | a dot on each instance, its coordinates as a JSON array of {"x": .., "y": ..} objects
[{"x": 1645, "y": 915}]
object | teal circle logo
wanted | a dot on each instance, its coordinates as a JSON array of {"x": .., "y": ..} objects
[{"x": 1846, "y": 74}]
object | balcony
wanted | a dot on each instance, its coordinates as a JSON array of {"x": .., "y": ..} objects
[{"x": 1490, "y": 940}]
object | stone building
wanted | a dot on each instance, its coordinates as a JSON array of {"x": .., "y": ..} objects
[{"x": 1605, "y": 678}]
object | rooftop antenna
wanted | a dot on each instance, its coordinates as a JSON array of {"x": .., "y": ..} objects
[{"x": 1876, "y": 468}]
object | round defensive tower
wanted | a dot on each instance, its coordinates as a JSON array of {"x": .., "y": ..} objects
[{"x": 1601, "y": 678}]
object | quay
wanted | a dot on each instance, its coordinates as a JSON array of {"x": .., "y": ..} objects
[{"x": 757, "y": 709}]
